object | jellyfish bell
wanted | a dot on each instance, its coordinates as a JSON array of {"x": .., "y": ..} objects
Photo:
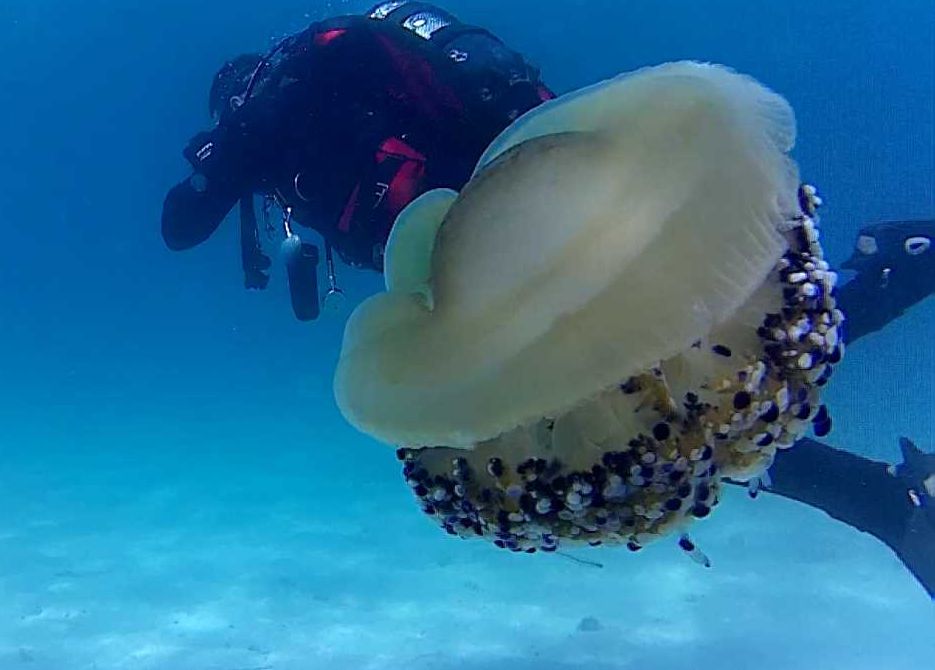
[
  {"x": 573, "y": 213},
  {"x": 625, "y": 304}
]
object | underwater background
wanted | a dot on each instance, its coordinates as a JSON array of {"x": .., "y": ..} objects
[{"x": 177, "y": 488}]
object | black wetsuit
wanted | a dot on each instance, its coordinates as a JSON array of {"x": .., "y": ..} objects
[{"x": 351, "y": 119}]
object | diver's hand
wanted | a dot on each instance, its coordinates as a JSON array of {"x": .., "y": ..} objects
[{"x": 256, "y": 276}]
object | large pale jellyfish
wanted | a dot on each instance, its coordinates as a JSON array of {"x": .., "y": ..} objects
[{"x": 626, "y": 303}]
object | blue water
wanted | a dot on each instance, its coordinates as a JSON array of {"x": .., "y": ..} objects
[{"x": 177, "y": 488}]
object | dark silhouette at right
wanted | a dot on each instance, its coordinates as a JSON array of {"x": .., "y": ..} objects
[
  {"x": 895, "y": 504},
  {"x": 895, "y": 269}
]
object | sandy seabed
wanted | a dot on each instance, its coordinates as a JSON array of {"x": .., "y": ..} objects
[{"x": 172, "y": 561}]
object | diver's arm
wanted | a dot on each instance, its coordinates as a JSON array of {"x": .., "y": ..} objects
[{"x": 864, "y": 495}]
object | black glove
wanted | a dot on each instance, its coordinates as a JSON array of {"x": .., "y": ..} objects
[{"x": 255, "y": 275}]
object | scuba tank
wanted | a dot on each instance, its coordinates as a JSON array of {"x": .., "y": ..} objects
[{"x": 301, "y": 261}]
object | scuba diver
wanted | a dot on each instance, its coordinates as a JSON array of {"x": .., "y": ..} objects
[{"x": 342, "y": 125}]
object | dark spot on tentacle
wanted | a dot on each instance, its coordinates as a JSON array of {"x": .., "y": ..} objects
[{"x": 741, "y": 400}]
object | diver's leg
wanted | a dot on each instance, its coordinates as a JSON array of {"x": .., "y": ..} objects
[
  {"x": 852, "y": 489},
  {"x": 863, "y": 494}
]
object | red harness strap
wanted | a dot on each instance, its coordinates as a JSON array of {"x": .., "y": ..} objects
[
  {"x": 544, "y": 93},
  {"x": 395, "y": 181},
  {"x": 405, "y": 185},
  {"x": 344, "y": 223},
  {"x": 327, "y": 37}
]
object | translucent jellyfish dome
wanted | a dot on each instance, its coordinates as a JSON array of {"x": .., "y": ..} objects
[{"x": 626, "y": 304}]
